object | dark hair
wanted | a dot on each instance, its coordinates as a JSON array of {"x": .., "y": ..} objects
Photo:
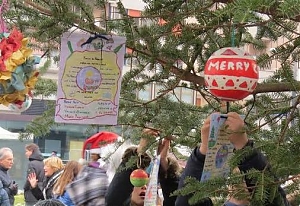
[
  {"x": 173, "y": 171},
  {"x": 131, "y": 152},
  {"x": 49, "y": 202},
  {"x": 32, "y": 147}
]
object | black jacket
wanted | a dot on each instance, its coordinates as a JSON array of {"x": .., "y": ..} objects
[
  {"x": 6, "y": 182},
  {"x": 195, "y": 166},
  {"x": 36, "y": 165},
  {"x": 120, "y": 188}
]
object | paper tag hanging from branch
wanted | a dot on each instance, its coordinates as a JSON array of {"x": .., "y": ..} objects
[
  {"x": 89, "y": 78},
  {"x": 152, "y": 189}
]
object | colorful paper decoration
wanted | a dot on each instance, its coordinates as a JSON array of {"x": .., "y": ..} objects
[
  {"x": 231, "y": 74},
  {"x": 139, "y": 178},
  {"x": 22, "y": 105},
  {"x": 17, "y": 72}
]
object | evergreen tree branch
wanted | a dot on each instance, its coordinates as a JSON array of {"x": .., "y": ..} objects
[
  {"x": 272, "y": 11},
  {"x": 186, "y": 76}
]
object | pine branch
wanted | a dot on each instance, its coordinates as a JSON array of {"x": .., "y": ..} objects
[
  {"x": 272, "y": 11},
  {"x": 186, "y": 76}
]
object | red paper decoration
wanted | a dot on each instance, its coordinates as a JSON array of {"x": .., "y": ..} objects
[{"x": 231, "y": 74}]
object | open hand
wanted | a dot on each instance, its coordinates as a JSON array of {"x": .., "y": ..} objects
[
  {"x": 236, "y": 130},
  {"x": 32, "y": 179}
]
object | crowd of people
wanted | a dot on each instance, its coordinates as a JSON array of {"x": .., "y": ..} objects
[{"x": 50, "y": 182}]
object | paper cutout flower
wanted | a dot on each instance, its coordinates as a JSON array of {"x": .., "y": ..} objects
[
  {"x": 15, "y": 39},
  {"x": 17, "y": 73}
]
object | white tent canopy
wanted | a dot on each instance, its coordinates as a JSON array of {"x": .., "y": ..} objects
[{"x": 5, "y": 134}]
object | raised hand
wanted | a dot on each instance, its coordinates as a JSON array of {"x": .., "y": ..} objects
[
  {"x": 32, "y": 179},
  {"x": 164, "y": 147},
  {"x": 236, "y": 130},
  {"x": 204, "y": 136},
  {"x": 145, "y": 138}
]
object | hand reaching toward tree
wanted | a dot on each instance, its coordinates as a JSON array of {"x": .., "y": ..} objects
[
  {"x": 145, "y": 139},
  {"x": 163, "y": 149},
  {"x": 234, "y": 127},
  {"x": 236, "y": 130},
  {"x": 204, "y": 136}
]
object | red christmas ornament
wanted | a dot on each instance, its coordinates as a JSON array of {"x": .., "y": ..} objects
[
  {"x": 139, "y": 178},
  {"x": 231, "y": 74}
]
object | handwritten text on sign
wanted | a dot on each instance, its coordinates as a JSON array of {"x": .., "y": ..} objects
[{"x": 90, "y": 81}]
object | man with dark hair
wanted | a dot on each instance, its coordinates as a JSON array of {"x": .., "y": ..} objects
[
  {"x": 54, "y": 153},
  {"x": 6, "y": 163},
  {"x": 35, "y": 165}
]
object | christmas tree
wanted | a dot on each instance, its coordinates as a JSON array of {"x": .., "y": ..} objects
[{"x": 171, "y": 52}]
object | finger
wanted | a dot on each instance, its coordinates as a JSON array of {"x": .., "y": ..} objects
[
  {"x": 207, "y": 120},
  {"x": 233, "y": 119},
  {"x": 166, "y": 143},
  {"x": 233, "y": 115},
  {"x": 150, "y": 131},
  {"x": 170, "y": 137}
]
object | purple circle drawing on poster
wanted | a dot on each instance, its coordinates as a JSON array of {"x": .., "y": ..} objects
[
  {"x": 88, "y": 79},
  {"x": 221, "y": 156}
]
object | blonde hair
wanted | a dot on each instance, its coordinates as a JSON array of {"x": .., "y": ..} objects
[
  {"x": 54, "y": 162},
  {"x": 71, "y": 170}
]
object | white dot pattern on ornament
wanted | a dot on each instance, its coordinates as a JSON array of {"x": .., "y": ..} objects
[{"x": 221, "y": 81}]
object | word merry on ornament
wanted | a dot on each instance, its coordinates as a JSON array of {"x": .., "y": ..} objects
[{"x": 223, "y": 65}]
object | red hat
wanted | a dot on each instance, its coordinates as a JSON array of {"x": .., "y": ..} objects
[{"x": 96, "y": 142}]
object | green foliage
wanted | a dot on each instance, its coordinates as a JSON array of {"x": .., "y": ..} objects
[
  {"x": 272, "y": 119},
  {"x": 41, "y": 125}
]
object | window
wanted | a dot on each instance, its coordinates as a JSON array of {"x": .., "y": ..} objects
[
  {"x": 175, "y": 95},
  {"x": 157, "y": 90},
  {"x": 187, "y": 96},
  {"x": 132, "y": 61},
  {"x": 114, "y": 13},
  {"x": 146, "y": 22},
  {"x": 76, "y": 10},
  {"x": 145, "y": 94},
  {"x": 198, "y": 99}
]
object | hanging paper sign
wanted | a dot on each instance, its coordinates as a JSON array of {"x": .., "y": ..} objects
[
  {"x": 89, "y": 79},
  {"x": 231, "y": 74},
  {"x": 219, "y": 150},
  {"x": 152, "y": 189}
]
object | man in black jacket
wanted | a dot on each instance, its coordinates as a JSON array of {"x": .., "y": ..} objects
[
  {"x": 239, "y": 140},
  {"x": 6, "y": 163},
  {"x": 35, "y": 165}
]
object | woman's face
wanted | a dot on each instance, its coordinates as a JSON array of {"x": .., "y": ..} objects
[
  {"x": 28, "y": 153},
  {"x": 138, "y": 195},
  {"x": 48, "y": 170},
  {"x": 95, "y": 157}
]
